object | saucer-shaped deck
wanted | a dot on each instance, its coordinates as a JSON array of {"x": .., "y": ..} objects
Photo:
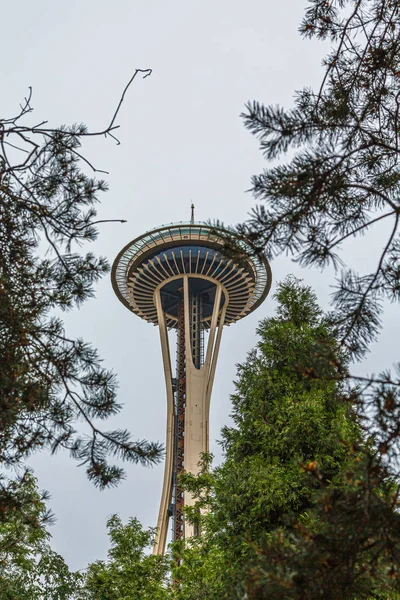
[{"x": 160, "y": 258}]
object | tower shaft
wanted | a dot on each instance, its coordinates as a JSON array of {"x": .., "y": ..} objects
[{"x": 187, "y": 430}]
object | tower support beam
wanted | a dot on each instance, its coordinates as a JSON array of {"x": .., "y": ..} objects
[{"x": 163, "y": 515}]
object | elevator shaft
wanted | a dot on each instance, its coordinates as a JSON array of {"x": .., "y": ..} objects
[
  {"x": 179, "y": 427},
  {"x": 196, "y": 338}
]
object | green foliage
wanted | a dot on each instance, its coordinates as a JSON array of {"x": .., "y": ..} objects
[
  {"x": 49, "y": 382},
  {"x": 130, "y": 572},
  {"x": 29, "y": 569},
  {"x": 342, "y": 182},
  {"x": 301, "y": 507},
  {"x": 23, "y": 526}
]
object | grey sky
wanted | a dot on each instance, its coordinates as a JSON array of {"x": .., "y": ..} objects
[{"x": 181, "y": 141}]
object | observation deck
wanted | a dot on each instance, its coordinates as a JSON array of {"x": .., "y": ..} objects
[{"x": 162, "y": 256}]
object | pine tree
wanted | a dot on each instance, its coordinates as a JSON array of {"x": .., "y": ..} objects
[
  {"x": 342, "y": 181},
  {"x": 48, "y": 381}
]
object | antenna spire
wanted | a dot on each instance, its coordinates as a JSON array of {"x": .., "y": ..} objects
[{"x": 192, "y": 215}]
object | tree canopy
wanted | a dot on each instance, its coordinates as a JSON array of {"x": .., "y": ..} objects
[
  {"x": 29, "y": 568},
  {"x": 130, "y": 571},
  {"x": 48, "y": 381},
  {"x": 300, "y": 508},
  {"x": 342, "y": 180}
]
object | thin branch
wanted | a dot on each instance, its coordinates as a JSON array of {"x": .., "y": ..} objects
[
  {"x": 372, "y": 282},
  {"x": 102, "y": 221},
  {"x": 357, "y": 229},
  {"x": 147, "y": 73}
]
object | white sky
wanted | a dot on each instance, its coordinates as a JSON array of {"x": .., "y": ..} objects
[{"x": 181, "y": 140}]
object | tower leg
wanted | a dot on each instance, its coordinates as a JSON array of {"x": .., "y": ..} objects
[{"x": 163, "y": 516}]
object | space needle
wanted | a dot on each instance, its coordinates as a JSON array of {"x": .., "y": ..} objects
[{"x": 181, "y": 277}]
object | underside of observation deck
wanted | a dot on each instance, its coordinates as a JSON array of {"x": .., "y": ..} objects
[{"x": 189, "y": 249}]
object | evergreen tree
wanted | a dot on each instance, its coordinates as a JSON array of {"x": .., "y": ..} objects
[
  {"x": 48, "y": 381},
  {"x": 342, "y": 181},
  {"x": 300, "y": 507}
]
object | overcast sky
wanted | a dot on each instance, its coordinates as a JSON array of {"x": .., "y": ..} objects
[{"x": 181, "y": 141}]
